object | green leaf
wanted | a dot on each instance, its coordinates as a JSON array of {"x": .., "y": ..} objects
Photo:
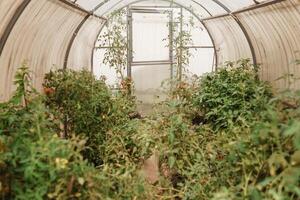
[{"x": 172, "y": 161}]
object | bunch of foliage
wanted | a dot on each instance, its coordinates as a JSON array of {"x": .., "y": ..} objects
[
  {"x": 126, "y": 147},
  {"x": 233, "y": 95},
  {"x": 83, "y": 104},
  {"x": 192, "y": 158},
  {"x": 268, "y": 159},
  {"x": 180, "y": 97},
  {"x": 34, "y": 162},
  {"x": 259, "y": 159},
  {"x": 114, "y": 40},
  {"x": 179, "y": 40},
  {"x": 255, "y": 159}
]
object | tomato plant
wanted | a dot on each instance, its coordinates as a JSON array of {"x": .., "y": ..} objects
[
  {"x": 247, "y": 150},
  {"x": 232, "y": 96}
]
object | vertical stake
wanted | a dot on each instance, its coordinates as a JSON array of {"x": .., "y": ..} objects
[
  {"x": 180, "y": 65},
  {"x": 171, "y": 45},
  {"x": 129, "y": 42}
]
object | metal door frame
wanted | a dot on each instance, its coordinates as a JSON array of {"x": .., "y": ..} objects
[{"x": 130, "y": 63}]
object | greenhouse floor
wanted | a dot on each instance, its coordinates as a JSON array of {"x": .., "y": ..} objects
[{"x": 145, "y": 109}]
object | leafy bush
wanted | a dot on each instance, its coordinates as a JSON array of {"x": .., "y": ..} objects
[
  {"x": 269, "y": 160},
  {"x": 86, "y": 106},
  {"x": 35, "y": 162},
  {"x": 232, "y": 96},
  {"x": 254, "y": 158},
  {"x": 257, "y": 160},
  {"x": 192, "y": 157}
]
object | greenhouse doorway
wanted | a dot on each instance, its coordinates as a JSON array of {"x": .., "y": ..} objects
[
  {"x": 150, "y": 60},
  {"x": 145, "y": 39}
]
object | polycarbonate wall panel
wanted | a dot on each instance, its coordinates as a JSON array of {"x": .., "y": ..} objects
[
  {"x": 236, "y": 4},
  {"x": 230, "y": 42},
  {"x": 150, "y": 37},
  {"x": 261, "y": 1},
  {"x": 201, "y": 62},
  {"x": 196, "y": 6},
  {"x": 211, "y": 6},
  {"x": 190, "y": 5},
  {"x": 148, "y": 81},
  {"x": 108, "y": 6},
  {"x": 275, "y": 32},
  {"x": 44, "y": 31},
  {"x": 89, "y": 4},
  {"x": 102, "y": 70},
  {"x": 83, "y": 46},
  {"x": 7, "y": 10},
  {"x": 40, "y": 37}
]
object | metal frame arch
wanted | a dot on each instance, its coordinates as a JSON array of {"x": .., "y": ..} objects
[
  {"x": 170, "y": 1},
  {"x": 203, "y": 7},
  {"x": 242, "y": 27},
  {"x": 22, "y": 8},
  {"x": 178, "y": 4},
  {"x": 12, "y": 23},
  {"x": 69, "y": 48},
  {"x": 93, "y": 49},
  {"x": 76, "y": 31},
  {"x": 24, "y": 4}
]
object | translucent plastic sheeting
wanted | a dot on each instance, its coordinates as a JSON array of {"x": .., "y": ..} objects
[
  {"x": 150, "y": 36},
  {"x": 261, "y": 1},
  {"x": 233, "y": 5},
  {"x": 201, "y": 62},
  {"x": 45, "y": 29},
  {"x": 211, "y": 6},
  {"x": 202, "y": 57},
  {"x": 107, "y": 8},
  {"x": 148, "y": 81},
  {"x": 149, "y": 32},
  {"x": 275, "y": 33},
  {"x": 84, "y": 43},
  {"x": 89, "y": 4},
  {"x": 8, "y": 9},
  {"x": 40, "y": 37},
  {"x": 199, "y": 33},
  {"x": 230, "y": 42},
  {"x": 103, "y": 70},
  {"x": 198, "y": 6}
]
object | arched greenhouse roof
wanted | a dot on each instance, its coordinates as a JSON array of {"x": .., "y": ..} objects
[{"x": 62, "y": 33}]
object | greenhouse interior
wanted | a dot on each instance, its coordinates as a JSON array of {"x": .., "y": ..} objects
[{"x": 150, "y": 99}]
